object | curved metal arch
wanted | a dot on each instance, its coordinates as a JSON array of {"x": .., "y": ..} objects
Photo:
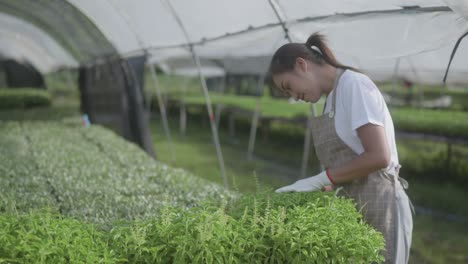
[
  {"x": 65, "y": 23},
  {"x": 23, "y": 41}
]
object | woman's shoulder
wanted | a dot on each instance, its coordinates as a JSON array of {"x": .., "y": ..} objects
[
  {"x": 350, "y": 75},
  {"x": 356, "y": 79},
  {"x": 359, "y": 94}
]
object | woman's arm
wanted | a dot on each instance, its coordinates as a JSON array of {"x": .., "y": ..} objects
[{"x": 376, "y": 155}]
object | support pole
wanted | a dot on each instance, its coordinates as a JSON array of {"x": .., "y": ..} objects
[
  {"x": 280, "y": 16},
  {"x": 220, "y": 106},
  {"x": 162, "y": 110},
  {"x": 306, "y": 152},
  {"x": 70, "y": 83},
  {"x": 448, "y": 160},
  {"x": 214, "y": 130},
  {"x": 256, "y": 116},
  {"x": 183, "y": 118},
  {"x": 232, "y": 125},
  {"x": 183, "y": 110},
  {"x": 209, "y": 108},
  {"x": 395, "y": 74}
]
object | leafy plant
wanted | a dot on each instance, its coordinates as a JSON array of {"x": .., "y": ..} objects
[
  {"x": 256, "y": 228},
  {"x": 142, "y": 211},
  {"x": 44, "y": 236}
]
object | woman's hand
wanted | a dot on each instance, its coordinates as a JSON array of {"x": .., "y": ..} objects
[{"x": 311, "y": 184}]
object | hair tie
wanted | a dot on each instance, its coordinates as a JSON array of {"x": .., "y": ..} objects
[{"x": 315, "y": 48}]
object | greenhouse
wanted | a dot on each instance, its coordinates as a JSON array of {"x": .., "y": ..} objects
[{"x": 156, "y": 131}]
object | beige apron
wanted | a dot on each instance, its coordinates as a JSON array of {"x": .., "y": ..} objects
[{"x": 379, "y": 196}]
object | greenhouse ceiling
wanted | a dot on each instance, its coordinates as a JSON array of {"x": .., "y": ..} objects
[{"x": 414, "y": 36}]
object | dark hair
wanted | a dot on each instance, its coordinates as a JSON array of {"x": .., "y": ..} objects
[{"x": 285, "y": 57}]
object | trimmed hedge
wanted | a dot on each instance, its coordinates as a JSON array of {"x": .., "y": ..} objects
[{"x": 24, "y": 98}]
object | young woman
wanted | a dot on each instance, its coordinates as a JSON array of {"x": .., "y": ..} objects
[{"x": 354, "y": 139}]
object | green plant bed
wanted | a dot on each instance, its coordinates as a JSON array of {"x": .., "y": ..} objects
[
  {"x": 445, "y": 199},
  {"x": 262, "y": 228},
  {"x": 428, "y": 161},
  {"x": 89, "y": 173},
  {"x": 44, "y": 236},
  {"x": 111, "y": 203},
  {"x": 53, "y": 113},
  {"x": 270, "y": 107},
  {"x": 196, "y": 148},
  {"x": 428, "y": 234},
  {"x": 23, "y": 98},
  {"x": 433, "y": 122},
  {"x": 459, "y": 97},
  {"x": 421, "y": 159},
  {"x": 258, "y": 228},
  {"x": 63, "y": 84}
]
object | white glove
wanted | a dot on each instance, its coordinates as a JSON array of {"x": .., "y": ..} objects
[{"x": 311, "y": 184}]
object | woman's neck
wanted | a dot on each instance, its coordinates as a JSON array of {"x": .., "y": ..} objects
[{"x": 328, "y": 78}]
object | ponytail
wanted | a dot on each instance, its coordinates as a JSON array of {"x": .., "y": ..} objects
[
  {"x": 315, "y": 50},
  {"x": 317, "y": 41}
]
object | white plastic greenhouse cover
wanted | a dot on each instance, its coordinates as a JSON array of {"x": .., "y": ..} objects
[
  {"x": 22, "y": 41},
  {"x": 368, "y": 34},
  {"x": 186, "y": 67}
]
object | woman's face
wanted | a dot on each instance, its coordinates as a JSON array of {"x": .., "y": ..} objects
[{"x": 300, "y": 83}]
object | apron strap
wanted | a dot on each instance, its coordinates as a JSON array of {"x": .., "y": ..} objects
[
  {"x": 395, "y": 178},
  {"x": 404, "y": 183},
  {"x": 339, "y": 72}
]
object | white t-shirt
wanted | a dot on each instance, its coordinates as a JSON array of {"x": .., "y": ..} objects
[{"x": 360, "y": 102}]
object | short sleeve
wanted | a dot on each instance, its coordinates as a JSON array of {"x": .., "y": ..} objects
[{"x": 363, "y": 102}]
